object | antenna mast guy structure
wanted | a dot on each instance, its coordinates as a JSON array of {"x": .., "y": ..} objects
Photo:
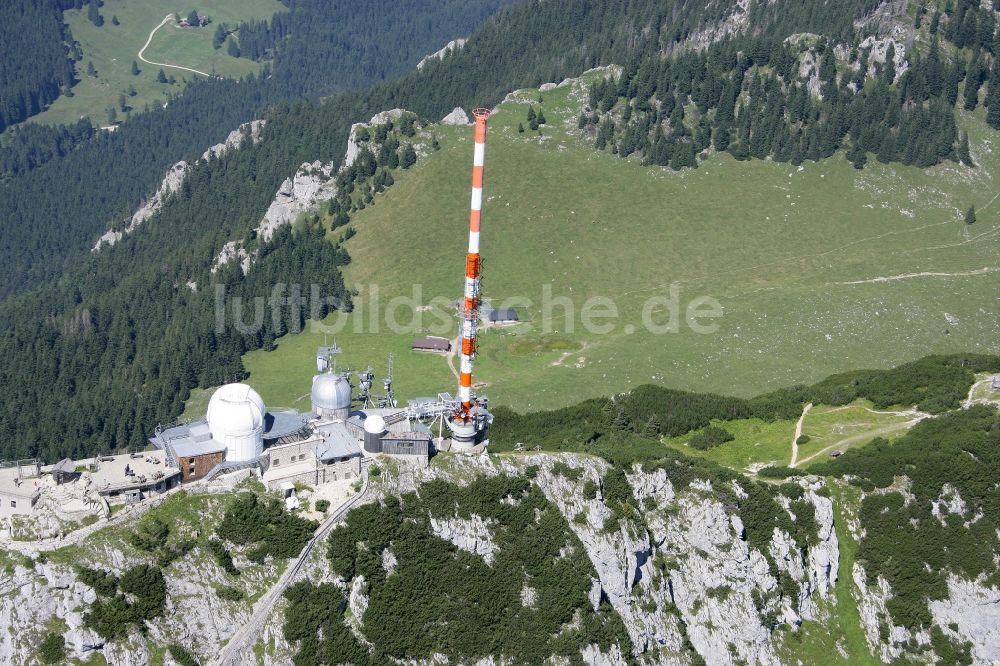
[{"x": 471, "y": 418}]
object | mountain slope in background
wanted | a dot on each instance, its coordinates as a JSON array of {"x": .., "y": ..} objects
[{"x": 897, "y": 270}]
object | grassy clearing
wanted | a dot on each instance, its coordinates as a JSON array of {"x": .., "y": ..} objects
[
  {"x": 759, "y": 442},
  {"x": 756, "y": 442},
  {"x": 283, "y": 377},
  {"x": 113, "y": 48},
  {"x": 775, "y": 245},
  {"x": 983, "y": 389},
  {"x": 840, "y": 428}
]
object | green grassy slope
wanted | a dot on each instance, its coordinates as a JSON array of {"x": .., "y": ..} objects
[
  {"x": 794, "y": 256},
  {"x": 113, "y": 48}
]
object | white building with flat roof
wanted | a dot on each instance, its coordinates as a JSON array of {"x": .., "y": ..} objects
[{"x": 17, "y": 493}]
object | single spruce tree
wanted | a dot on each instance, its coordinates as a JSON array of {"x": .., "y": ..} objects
[
  {"x": 970, "y": 215},
  {"x": 963, "y": 151},
  {"x": 973, "y": 80},
  {"x": 161, "y": 77},
  {"x": 135, "y": 68},
  {"x": 652, "y": 428},
  {"x": 409, "y": 157},
  {"x": 219, "y": 37},
  {"x": 621, "y": 421},
  {"x": 94, "y": 14}
]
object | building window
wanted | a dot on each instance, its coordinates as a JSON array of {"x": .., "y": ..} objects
[
  {"x": 276, "y": 462},
  {"x": 190, "y": 461},
  {"x": 13, "y": 504}
]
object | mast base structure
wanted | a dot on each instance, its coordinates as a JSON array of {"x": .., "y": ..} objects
[
  {"x": 468, "y": 430},
  {"x": 471, "y": 417}
]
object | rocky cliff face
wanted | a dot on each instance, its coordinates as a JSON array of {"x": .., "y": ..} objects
[
  {"x": 680, "y": 573},
  {"x": 174, "y": 178},
  {"x": 453, "y": 45},
  {"x": 41, "y": 593},
  {"x": 679, "y": 569},
  {"x": 312, "y": 184}
]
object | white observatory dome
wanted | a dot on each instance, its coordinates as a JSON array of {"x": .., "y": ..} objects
[
  {"x": 331, "y": 396},
  {"x": 375, "y": 424},
  {"x": 236, "y": 418}
]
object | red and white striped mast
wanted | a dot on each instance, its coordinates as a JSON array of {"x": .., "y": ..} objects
[{"x": 470, "y": 307}]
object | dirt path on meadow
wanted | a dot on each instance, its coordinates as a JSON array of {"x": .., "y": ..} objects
[
  {"x": 798, "y": 433},
  {"x": 166, "y": 19}
]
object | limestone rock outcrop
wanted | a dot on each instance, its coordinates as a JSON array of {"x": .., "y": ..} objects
[{"x": 173, "y": 180}]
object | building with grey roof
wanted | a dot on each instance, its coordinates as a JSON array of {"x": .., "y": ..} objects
[
  {"x": 431, "y": 344},
  {"x": 330, "y": 453},
  {"x": 503, "y": 316}
]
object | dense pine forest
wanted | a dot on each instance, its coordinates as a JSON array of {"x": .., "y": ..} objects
[
  {"x": 46, "y": 172},
  {"x": 35, "y": 65},
  {"x": 109, "y": 344},
  {"x": 795, "y": 99},
  {"x": 342, "y": 44}
]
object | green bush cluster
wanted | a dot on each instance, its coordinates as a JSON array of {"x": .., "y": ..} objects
[
  {"x": 222, "y": 556},
  {"x": 230, "y": 593},
  {"x": 138, "y": 596},
  {"x": 179, "y": 654},
  {"x": 710, "y": 437},
  {"x": 571, "y": 473},
  {"x": 152, "y": 535},
  {"x": 53, "y": 649},
  {"x": 264, "y": 523}
]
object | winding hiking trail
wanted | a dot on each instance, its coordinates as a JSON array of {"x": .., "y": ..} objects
[
  {"x": 971, "y": 400},
  {"x": 798, "y": 433},
  {"x": 867, "y": 436},
  {"x": 916, "y": 417},
  {"x": 166, "y": 19}
]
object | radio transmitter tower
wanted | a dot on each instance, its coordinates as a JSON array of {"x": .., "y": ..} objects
[{"x": 469, "y": 422}]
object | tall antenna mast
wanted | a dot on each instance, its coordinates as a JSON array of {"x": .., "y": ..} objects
[
  {"x": 470, "y": 417},
  {"x": 473, "y": 265}
]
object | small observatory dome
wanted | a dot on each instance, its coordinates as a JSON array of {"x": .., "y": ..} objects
[
  {"x": 331, "y": 396},
  {"x": 236, "y": 418},
  {"x": 374, "y": 429}
]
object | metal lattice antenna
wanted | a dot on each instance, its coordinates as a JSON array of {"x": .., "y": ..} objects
[{"x": 389, "y": 399}]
